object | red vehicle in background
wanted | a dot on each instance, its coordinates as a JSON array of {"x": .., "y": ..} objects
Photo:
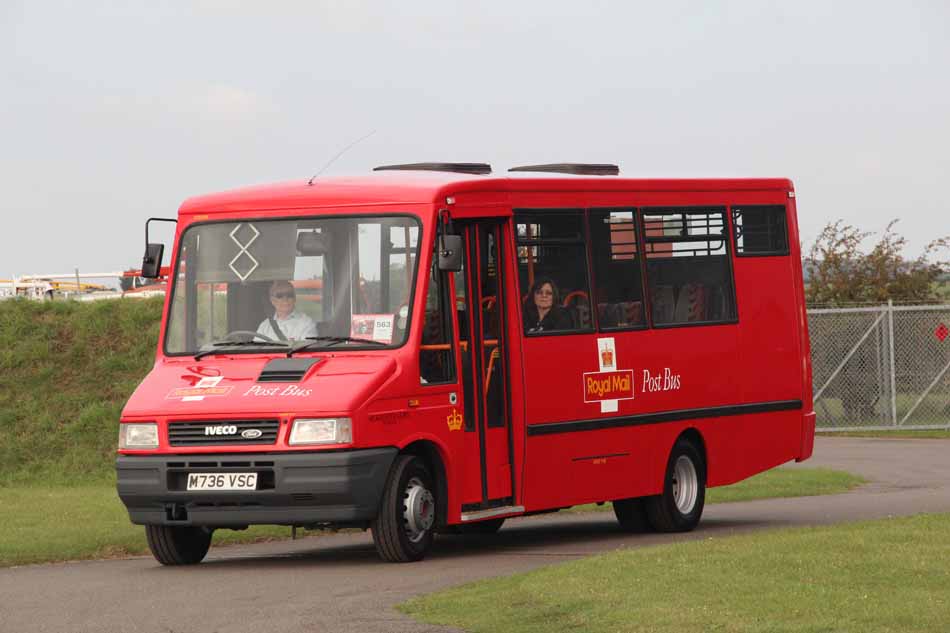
[{"x": 454, "y": 349}]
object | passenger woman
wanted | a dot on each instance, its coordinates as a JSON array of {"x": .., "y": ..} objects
[{"x": 542, "y": 309}]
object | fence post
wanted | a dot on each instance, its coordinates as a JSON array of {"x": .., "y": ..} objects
[{"x": 890, "y": 339}]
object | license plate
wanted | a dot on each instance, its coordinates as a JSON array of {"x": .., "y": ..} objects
[{"x": 222, "y": 481}]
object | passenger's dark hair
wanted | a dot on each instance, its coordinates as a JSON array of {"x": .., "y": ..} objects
[{"x": 538, "y": 283}]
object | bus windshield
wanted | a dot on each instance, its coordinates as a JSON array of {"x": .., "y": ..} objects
[{"x": 267, "y": 285}]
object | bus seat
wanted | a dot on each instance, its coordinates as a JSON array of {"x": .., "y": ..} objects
[
  {"x": 607, "y": 314},
  {"x": 664, "y": 304},
  {"x": 580, "y": 315},
  {"x": 691, "y": 303},
  {"x": 632, "y": 312}
]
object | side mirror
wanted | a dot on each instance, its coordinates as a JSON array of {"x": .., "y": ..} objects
[
  {"x": 311, "y": 244},
  {"x": 450, "y": 253},
  {"x": 152, "y": 261}
]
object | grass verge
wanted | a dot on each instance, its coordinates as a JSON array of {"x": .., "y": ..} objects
[
  {"x": 779, "y": 482},
  {"x": 46, "y": 524},
  {"x": 871, "y": 577},
  {"x": 940, "y": 434},
  {"x": 54, "y": 523},
  {"x": 66, "y": 370}
]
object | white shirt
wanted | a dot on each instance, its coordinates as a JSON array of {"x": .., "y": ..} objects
[{"x": 297, "y": 326}]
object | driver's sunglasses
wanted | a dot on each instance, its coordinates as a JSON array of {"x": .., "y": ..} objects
[{"x": 283, "y": 295}]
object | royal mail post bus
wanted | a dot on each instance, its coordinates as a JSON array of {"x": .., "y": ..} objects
[{"x": 432, "y": 348}]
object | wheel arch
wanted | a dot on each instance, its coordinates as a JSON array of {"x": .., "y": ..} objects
[
  {"x": 694, "y": 437},
  {"x": 433, "y": 456}
]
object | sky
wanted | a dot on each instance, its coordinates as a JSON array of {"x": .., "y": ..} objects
[{"x": 113, "y": 112}]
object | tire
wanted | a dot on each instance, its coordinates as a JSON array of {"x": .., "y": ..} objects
[
  {"x": 680, "y": 506},
  {"x": 489, "y": 526},
  {"x": 631, "y": 515},
  {"x": 405, "y": 524},
  {"x": 178, "y": 545}
]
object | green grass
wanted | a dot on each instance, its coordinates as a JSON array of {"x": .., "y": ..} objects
[
  {"x": 45, "y": 524},
  {"x": 52, "y": 523},
  {"x": 786, "y": 482},
  {"x": 872, "y": 577},
  {"x": 66, "y": 370},
  {"x": 901, "y": 433},
  {"x": 933, "y": 410},
  {"x": 779, "y": 482}
]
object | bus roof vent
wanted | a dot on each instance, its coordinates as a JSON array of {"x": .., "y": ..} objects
[
  {"x": 287, "y": 369},
  {"x": 479, "y": 169},
  {"x": 580, "y": 169}
]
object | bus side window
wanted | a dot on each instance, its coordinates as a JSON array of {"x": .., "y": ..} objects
[
  {"x": 552, "y": 271},
  {"x": 689, "y": 274},
  {"x": 618, "y": 286},
  {"x": 760, "y": 230},
  {"x": 436, "y": 360}
]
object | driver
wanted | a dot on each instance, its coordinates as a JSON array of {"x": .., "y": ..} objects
[{"x": 287, "y": 323}]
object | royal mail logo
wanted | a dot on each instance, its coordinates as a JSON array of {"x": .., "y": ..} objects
[
  {"x": 205, "y": 387},
  {"x": 198, "y": 393},
  {"x": 454, "y": 420},
  {"x": 608, "y": 385}
]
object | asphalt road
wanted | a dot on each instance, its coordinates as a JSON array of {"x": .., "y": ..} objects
[{"x": 336, "y": 583}]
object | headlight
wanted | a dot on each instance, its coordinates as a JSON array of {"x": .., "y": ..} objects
[
  {"x": 332, "y": 431},
  {"x": 137, "y": 436}
]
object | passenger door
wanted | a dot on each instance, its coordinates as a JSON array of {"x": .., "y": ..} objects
[{"x": 482, "y": 315}]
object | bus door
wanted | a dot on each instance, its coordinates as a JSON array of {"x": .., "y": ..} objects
[{"x": 482, "y": 314}]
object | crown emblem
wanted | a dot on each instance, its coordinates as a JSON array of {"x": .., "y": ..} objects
[{"x": 454, "y": 420}]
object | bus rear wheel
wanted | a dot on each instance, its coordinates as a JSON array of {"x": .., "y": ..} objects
[
  {"x": 173, "y": 545},
  {"x": 680, "y": 506},
  {"x": 631, "y": 515},
  {"x": 404, "y": 526}
]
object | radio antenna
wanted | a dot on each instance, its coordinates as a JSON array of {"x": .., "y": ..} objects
[{"x": 340, "y": 153}]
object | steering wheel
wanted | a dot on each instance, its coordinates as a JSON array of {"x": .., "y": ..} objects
[{"x": 247, "y": 335}]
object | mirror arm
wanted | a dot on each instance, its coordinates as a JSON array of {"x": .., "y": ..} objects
[
  {"x": 440, "y": 227},
  {"x": 443, "y": 228},
  {"x": 147, "y": 271},
  {"x": 174, "y": 220}
]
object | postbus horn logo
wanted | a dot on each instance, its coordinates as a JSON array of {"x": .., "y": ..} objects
[{"x": 454, "y": 420}]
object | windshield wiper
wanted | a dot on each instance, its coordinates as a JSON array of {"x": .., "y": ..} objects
[
  {"x": 313, "y": 341},
  {"x": 214, "y": 347}
]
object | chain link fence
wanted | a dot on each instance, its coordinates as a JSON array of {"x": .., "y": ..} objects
[{"x": 882, "y": 367}]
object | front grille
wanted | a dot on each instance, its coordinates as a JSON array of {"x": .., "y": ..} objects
[{"x": 196, "y": 434}]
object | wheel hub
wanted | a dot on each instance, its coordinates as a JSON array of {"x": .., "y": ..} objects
[
  {"x": 685, "y": 484},
  {"x": 418, "y": 510}
]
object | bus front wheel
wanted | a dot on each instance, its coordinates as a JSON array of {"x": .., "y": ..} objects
[
  {"x": 173, "y": 545},
  {"x": 404, "y": 526},
  {"x": 680, "y": 506}
]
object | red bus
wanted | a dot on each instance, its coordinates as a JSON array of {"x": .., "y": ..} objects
[{"x": 433, "y": 348}]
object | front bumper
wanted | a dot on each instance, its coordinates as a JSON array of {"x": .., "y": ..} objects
[{"x": 293, "y": 488}]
